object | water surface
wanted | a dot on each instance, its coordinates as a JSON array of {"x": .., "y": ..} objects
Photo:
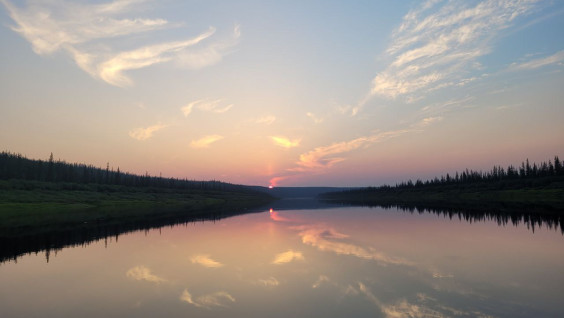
[{"x": 361, "y": 262}]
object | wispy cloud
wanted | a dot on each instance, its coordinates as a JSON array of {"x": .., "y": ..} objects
[
  {"x": 211, "y": 54},
  {"x": 217, "y": 299},
  {"x": 206, "y": 105},
  {"x": 112, "y": 70},
  {"x": 328, "y": 239},
  {"x": 315, "y": 119},
  {"x": 287, "y": 257},
  {"x": 145, "y": 133},
  {"x": 285, "y": 142},
  {"x": 320, "y": 159},
  {"x": 269, "y": 282},
  {"x": 206, "y": 141},
  {"x": 327, "y": 156},
  {"x": 437, "y": 44},
  {"x": 143, "y": 273},
  {"x": 322, "y": 279},
  {"x": 205, "y": 261},
  {"x": 267, "y": 120},
  {"x": 557, "y": 58},
  {"x": 84, "y": 31}
]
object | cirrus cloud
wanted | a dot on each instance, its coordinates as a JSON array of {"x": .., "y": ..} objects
[
  {"x": 206, "y": 141},
  {"x": 85, "y": 33},
  {"x": 438, "y": 44},
  {"x": 145, "y": 133}
]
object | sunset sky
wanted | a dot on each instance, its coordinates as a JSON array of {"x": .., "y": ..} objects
[{"x": 284, "y": 93}]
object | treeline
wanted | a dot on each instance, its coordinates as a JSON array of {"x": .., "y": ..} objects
[
  {"x": 16, "y": 166},
  {"x": 546, "y": 175},
  {"x": 524, "y": 175}
]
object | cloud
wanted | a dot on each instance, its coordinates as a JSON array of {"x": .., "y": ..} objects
[
  {"x": 429, "y": 121},
  {"x": 206, "y": 105},
  {"x": 206, "y": 141},
  {"x": 322, "y": 279},
  {"x": 145, "y": 133},
  {"x": 210, "y": 55},
  {"x": 556, "y": 58},
  {"x": 205, "y": 261},
  {"x": 328, "y": 239},
  {"x": 315, "y": 119},
  {"x": 85, "y": 33},
  {"x": 287, "y": 257},
  {"x": 143, "y": 273},
  {"x": 217, "y": 299},
  {"x": 327, "y": 156},
  {"x": 275, "y": 216},
  {"x": 269, "y": 282},
  {"x": 322, "y": 158},
  {"x": 285, "y": 142},
  {"x": 438, "y": 43},
  {"x": 267, "y": 120},
  {"x": 112, "y": 69},
  {"x": 274, "y": 181}
]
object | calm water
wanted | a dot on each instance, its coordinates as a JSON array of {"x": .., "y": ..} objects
[{"x": 356, "y": 262}]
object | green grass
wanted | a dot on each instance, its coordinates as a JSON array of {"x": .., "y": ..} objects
[
  {"x": 32, "y": 208},
  {"x": 552, "y": 199}
]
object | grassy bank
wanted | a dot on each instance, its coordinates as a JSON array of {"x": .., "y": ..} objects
[
  {"x": 549, "y": 199},
  {"x": 30, "y": 208}
]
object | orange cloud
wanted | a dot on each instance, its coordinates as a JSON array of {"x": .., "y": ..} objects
[
  {"x": 145, "y": 133},
  {"x": 285, "y": 142},
  {"x": 206, "y": 141}
]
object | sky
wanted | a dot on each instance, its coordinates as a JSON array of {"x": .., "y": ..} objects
[{"x": 284, "y": 93}]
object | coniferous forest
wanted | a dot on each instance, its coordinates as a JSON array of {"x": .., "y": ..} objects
[
  {"x": 17, "y": 167},
  {"x": 533, "y": 184},
  {"x": 39, "y": 197}
]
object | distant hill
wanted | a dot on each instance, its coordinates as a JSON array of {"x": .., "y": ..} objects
[{"x": 299, "y": 192}]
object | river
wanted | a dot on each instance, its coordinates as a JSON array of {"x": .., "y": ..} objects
[{"x": 292, "y": 262}]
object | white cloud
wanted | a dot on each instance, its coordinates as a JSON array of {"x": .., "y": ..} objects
[
  {"x": 328, "y": 239},
  {"x": 84, "y": 32},
  {"x": 285, "y": 142},
  {"x": 287, "y": 257},
  {"x": 217, "y": 299},
  {"x": 144, "y": 273},
  {"x": 322, "y": 279},
  {"x": 321, "y": 158},
  {"x": 269, "y": 282},
  {"x": 206, "y": 141},
  {"x": 438, "y": 44},
  {"x": 315, "y": 119},
  {"x": 327, "y": 156},
  {"x": 206, "y": 105},
  {"x": 210, "y": 55},
  {"x": 267, "y": 120},
  {"x": 205, "y": 261},
  {"x": 556, "y": 58},
  {"x": 112, "y": 69},
  {"x": 145, "y": 133}
]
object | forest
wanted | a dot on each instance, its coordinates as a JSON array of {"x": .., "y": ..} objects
[
  {"x": 43, "y": 197},
  {"x": 541, "y": 183},
  {"x": 17, "y": 167}
]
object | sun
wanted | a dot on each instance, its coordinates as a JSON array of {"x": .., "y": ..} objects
[{"x": 270, "y": 187}]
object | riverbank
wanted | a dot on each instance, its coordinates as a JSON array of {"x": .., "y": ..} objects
[
  {"x": 29, "y": 208},
  {"x": 551, "y": 199}
]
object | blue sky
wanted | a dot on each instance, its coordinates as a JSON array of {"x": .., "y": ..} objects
[{"x": 284, "y": 92}]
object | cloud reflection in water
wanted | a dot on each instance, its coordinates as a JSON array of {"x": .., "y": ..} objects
[
  {"x": 217, "y": 299},
  {"x": 327, "y": 239},
  {"x": 143, "y": 273}
]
